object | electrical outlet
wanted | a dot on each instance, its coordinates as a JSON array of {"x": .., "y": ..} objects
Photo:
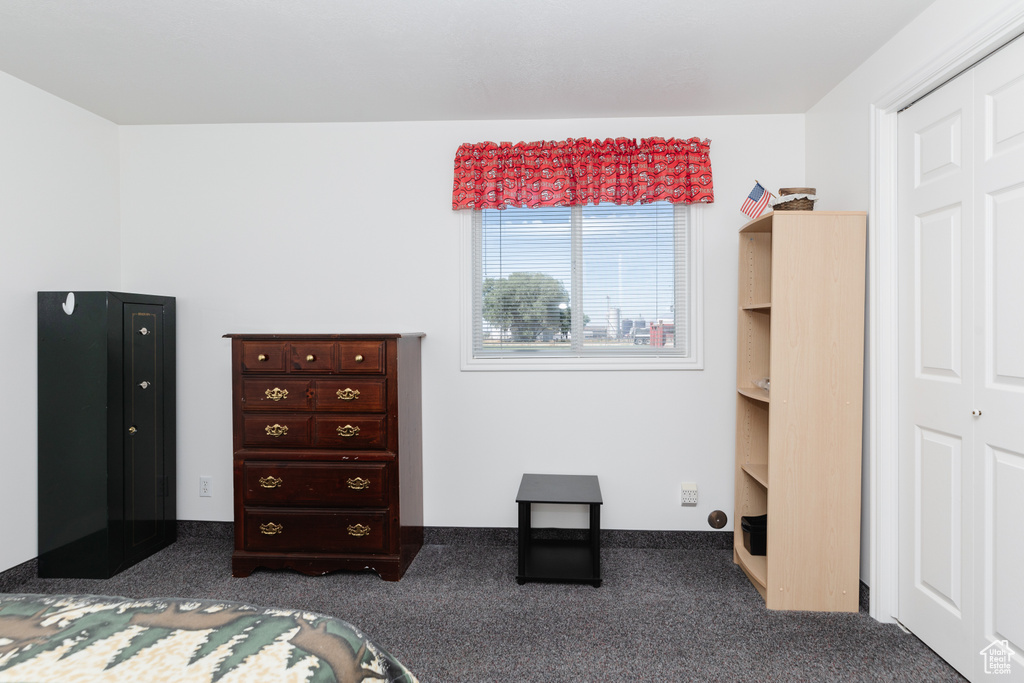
[
  {"x": 204, "y": 487},
  {"x": 688, "y": 495}
]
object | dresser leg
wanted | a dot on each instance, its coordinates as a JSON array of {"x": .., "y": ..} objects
[{"x": 242, "y": 568}]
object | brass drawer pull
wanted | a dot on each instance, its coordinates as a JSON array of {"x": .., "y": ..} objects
[
  {"x": 358, "y": 530},
  {"x": 359, "y": 358},
  {"x": 348, "y": 394},
  {"x": 262, "y": 358},
  {"x": 276, "y": 394},
  {"x": 132, "y": 429},
  {"x": 310, "y": 358},
  {"x": 270, "y": 482},
  {"x": 276, "y": 430},
  {"x": 358, "y": 483},
  {"x": 348, "y": 430},
  {"x": 270, "y": 529}
]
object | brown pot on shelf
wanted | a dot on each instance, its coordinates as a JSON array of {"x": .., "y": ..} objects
[{"x": 801, "y": 204}]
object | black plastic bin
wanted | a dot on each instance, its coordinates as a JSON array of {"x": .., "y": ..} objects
[{"x": 755, "y": 533}]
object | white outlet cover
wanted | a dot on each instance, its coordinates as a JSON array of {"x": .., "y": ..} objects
[{"x": 688, "y": 493}]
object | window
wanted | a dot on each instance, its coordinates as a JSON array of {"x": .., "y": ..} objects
[{"x": 583, "y": 287}]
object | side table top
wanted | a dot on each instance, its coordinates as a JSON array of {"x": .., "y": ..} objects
[{"x": 559, "y": 488}]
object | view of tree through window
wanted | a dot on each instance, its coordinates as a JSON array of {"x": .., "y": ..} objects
[{"x": 592, "y": 280}]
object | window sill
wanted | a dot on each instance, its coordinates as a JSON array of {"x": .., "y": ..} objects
[{"x": 573, "y": 364}]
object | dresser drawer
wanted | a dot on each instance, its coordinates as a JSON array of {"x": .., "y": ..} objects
[
  {"x": 263, "y": 356},
  {"x": 276, "y": 394},
  {"x": 328, "y": 531},
  {"x": 350, "y": 432},
  {"x": 351, "y": 396},
  {"x": 361, "y": 357},
  {"x": 315, "y": 484},
  {"x": 312, "y": 356},
  {"x": 286, "y": 431}
]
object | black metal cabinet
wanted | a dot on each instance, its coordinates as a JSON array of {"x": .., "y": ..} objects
[{"x": 106, "y": 431}]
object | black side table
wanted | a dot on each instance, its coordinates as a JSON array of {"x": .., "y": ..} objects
[{"x": 559, "y": 560}]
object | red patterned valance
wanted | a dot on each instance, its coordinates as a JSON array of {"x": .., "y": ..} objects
[{"x": 581, "y": 171}]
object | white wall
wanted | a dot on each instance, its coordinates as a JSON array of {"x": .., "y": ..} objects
[
  {"x": 301, "y": 228},
  {"x": 839, "y": 126},
  {"x": 294, "y": 228},
  {"x": 839, "y": 135},
  {"x": 59, "y": 223}
]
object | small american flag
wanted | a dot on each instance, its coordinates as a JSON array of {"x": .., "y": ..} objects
[{"x": 757, "y": 201}]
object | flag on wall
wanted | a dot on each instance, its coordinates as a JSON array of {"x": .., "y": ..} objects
[{"x": 756, "y": 201}]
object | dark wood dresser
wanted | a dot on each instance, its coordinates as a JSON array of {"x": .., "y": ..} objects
[{"x": 328, "y": 459}]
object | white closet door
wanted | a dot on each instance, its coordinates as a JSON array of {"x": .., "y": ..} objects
[
  {"x": 961, "y": 262},
  {"x": 935, "y": 167},
  {"x": 999, "y": 364}
]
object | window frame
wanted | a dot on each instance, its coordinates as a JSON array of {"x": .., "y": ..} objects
[{"x": 694, "y": 360}]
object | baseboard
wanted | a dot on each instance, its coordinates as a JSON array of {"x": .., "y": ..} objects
[
  {"x": 508, "y": 536},
  {"x": 447, "y": 535},
  {"x": 198, "y": 529},
  {"x": 610, "y": 538},
  {"x": 19, "y": 574},
  {"x": 478, "y": 536}
]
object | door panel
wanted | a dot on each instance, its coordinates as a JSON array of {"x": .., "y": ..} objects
[
  {"x": 936, "y": 211},
  {"x": 938, "y": 150},
  {"x": 999, "y": 321},
  {"x": 1004, "y": 303},
  {"x": 1004, "y": 108},
  {"x": 939, "y": 328},
  {"x": 1005, "y": 557},
  {"x": 939, "y": 545}
]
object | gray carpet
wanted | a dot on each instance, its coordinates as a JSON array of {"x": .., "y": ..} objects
[{"x": 662, "y": 614}]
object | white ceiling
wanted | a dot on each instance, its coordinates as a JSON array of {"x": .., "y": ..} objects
[{"x": 233, "y": 61}]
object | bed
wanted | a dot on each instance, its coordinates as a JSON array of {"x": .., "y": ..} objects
[{"x": 93, "y": 639}]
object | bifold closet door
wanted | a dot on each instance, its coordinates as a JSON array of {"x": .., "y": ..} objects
[
  {"x": 961, "y": 244},
  {"x": 999, "y": 357},
  {"x": 937, "y": 370}
]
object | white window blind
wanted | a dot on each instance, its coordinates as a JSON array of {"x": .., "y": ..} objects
[{"x": 589, "y": 281}]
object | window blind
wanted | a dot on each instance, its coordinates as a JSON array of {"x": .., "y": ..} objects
[{"x": 594, "y": 280}]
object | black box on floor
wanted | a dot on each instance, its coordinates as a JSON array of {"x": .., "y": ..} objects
[{"x": 755, "y": 533}]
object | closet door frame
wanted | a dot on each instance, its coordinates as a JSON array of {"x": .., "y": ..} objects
[{"x": 882, "y": 438}]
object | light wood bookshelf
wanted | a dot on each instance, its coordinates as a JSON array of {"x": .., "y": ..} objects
[{"x": 798, "y": 443}]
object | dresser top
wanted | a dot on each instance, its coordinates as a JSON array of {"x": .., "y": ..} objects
[{"x": 340, "y": 337}]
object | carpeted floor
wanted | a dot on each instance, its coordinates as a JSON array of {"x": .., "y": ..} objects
[{"x": 458, "y": 615}]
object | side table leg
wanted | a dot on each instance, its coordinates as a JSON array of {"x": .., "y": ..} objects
[
  {"x": 524, "y": 539},
  {"x": 595, "y": 541}
]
